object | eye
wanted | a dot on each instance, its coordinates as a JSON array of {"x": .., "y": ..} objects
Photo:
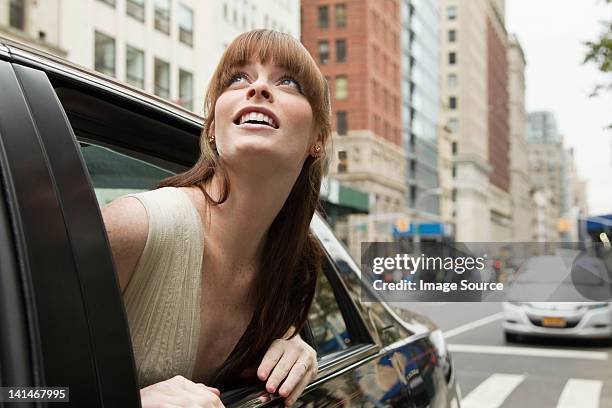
[
  {"x": 287, "y": 80},
  {"x": 236, "y": 77}
]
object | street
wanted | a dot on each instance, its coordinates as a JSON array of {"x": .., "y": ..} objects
[{"x": 533, "y": 373}]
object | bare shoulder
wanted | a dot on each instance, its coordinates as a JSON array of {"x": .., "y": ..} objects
[{"x": 127, "y": 227}]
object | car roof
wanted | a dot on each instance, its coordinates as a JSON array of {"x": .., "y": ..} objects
[{"x": 25, "y": 54}]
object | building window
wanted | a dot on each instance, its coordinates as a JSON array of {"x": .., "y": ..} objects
[
  {"x": 454, "y": 171},
  {"x": 186, "y": 89},
  {"x": 105, "y": 54},
  {"x": 454, "y": 147},
  {"x": 323, "y": 52},
  {"x": 452, "y": 80},
  {"x": 453, "y": 125},
  {"x": 340, "y": 50},
  {"x": 341, "y": 167},
  {"x": 323, "y": 16},
  {"x": 136, "y": 9},
  {"x": 340, "y": 15},
  {"x": 452, "y": 35},
  {"x": 185, "y": 23},
  {"x": 341, "y": 122},
  {"x": 109, "y": 2},
  {"x": 452, "y": 58},
  {"x": 134, "y": 67},
  {"x": 162, "y": 16},
  {"x": 452, "y": 12},
  {"x": 17, "y": 14},
  {"x": 452, "y": 102},
  {"x": 341, "y": 92},
  {"x": 342, "y": 154},
  {"x": 225, "y": 12},
  {"x": 162, "y": 79}
]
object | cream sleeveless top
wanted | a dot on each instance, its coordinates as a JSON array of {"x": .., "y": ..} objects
[{"x": 162, "y": 298}]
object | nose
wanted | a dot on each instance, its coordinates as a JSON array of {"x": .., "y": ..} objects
[{"x": 259, "y": 89}]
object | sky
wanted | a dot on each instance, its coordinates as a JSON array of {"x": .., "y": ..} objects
[{"x": 552, "y": 33}]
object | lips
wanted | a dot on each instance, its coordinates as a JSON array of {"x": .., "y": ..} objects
[{"x": 255, "y": 126}]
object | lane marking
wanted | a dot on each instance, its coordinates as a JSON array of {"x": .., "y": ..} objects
[
  {"x": 472, "y": 325},
  {"x": 580, "y": 393},
  {"x": 493, "y": 391},
  {"x": 528, "y": 351}
]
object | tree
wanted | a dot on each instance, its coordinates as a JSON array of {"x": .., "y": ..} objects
[{"x": 600, "y": 53}]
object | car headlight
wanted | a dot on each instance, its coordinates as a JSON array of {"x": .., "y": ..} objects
[{"x": 597, "y": 306}]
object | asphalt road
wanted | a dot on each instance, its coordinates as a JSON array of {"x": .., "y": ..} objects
[{"x": 535, "y": 373}]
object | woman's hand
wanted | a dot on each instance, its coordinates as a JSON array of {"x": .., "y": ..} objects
[
  {"x": 291, "y": 360},
  {"x": 179, "y": 392}
]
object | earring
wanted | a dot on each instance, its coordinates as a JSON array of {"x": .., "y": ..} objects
[
  {"x": 317, "y": 150},
  {"x": 211, "y": 139}
]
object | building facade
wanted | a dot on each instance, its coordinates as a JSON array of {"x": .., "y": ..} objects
[
  {"x": 542, "y": 127},
  {"x": 498, "y": 133},
  {"x": 547, "y": 163},
  {"x": 521, "y": 188},
  {"x": 420, "y": 48},
  {"x": 357, "y": 46},
  {"x": 165, "y": 47}
]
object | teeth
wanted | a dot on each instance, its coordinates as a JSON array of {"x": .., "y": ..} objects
[{"x": 259, "y": 117}]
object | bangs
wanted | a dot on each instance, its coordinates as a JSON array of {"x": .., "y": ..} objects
[{"x": 280, "y": 49}]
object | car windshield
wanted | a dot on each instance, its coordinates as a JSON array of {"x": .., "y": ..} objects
[{"x": 584, "y": 271}]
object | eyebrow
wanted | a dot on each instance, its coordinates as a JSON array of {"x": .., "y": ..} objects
[{"x": 275, "y": 67}]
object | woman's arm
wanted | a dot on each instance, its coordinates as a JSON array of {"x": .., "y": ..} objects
[
  {"x": 291, "y": 360},
  {"x": 127, "y": 227}
]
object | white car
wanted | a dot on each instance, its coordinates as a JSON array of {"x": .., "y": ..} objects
[
  {"x": 564, "y": 319},
  {"x": 546, "y": 278}
]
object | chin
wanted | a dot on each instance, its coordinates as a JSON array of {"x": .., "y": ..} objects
[{"x": 256, "y": 157}]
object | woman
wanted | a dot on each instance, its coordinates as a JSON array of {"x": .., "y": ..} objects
[{"x": 218, "y": 262}]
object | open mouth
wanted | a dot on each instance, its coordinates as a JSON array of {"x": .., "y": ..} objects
[
  {"x": 256, "y": 118},
  {"x": 254, "y": 122}
]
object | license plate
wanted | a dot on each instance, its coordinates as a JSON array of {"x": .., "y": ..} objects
[{"x": 554, "y": 322}]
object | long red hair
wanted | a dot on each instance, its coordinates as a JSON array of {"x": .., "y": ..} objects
[{"x": 286, "y": 279}]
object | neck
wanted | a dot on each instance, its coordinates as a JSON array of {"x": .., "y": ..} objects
[{"x": 238, "y": 228}]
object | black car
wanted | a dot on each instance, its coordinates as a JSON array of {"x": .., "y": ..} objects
[{"x": 72, "y": 140}]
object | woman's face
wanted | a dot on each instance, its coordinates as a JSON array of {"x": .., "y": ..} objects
[{"x": 262, "y": 119}]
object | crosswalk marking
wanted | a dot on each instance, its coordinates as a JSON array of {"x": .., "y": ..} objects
[
  {"x": 580, "y": 393},
  {"x": 493, "y": 391},
  {"x": 528, "y": 351}
]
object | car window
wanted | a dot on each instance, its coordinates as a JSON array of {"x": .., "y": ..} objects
[
  {"x": 326, "y": 320},
  {"x": 114, "y": 174}
]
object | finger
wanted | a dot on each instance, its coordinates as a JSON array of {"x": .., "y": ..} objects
[
  {"x": 297, "y": 391},
  {"x": 298, "y": 371},
  {"x": 281, "y": 370},
  {"x": 196, "y": 392},
  {"x": 211, "y": 389},
  {"x": 271, "y": 358}
]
